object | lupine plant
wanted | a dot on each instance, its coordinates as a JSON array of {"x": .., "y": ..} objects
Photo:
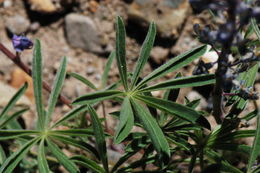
[{"x": 175, "y": 137}]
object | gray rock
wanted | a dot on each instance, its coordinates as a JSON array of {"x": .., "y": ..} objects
[
  {"x": 159, "y": 54},
  {"x": 168, "y": 15},
  {"x": 17, "y": 24},
  {"x": 82, "y": 33}
]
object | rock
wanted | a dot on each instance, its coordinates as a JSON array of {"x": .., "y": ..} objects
[
  {"x": 169, "y": 15},
  {"x": 17, "y": 24},
  {"x": 90, "y": 70},
  {"x": 193, "y": 95},
  {"x": 82, "y": 33},
  {"x": 18, "y": 78},
  {"x": 45, "y": 6},
  {"x": 7, "y": 3},
  {"x": 49, "y": 6},
  {"x": 159, "y": 54}
]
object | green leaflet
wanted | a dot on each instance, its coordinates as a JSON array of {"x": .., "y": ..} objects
[
  {"x": 144, "y": 54},
  {"x": 42, "y": 162},
  {"x": 174, "y": 64},
  {"x": 56, "y": 89},
  {"x": 12, "y": 134},
  {"x": 62, "y": 158},
  {"x": 77, "y": 143},
  {"x": 100, "y": 137},
  {"x": 255, "y": 151},
  {"x": 126, "y": 121},
  {"x": 83, "y": 80},
  {"x": 151, "y": 126},
  {"x": 37, "y": 83},
  {"x": 120, "y": 51},
  {"x": 107, "y": 69},
  {"x": 176, "y": 109},
  {"x": 97, "y": 97},
  {"x": 182, "y": 82}
]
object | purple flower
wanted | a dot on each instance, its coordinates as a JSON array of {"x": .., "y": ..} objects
[{"x": 21, "y": 42}]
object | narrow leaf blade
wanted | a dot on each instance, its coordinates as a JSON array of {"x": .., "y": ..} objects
[
  {"x": 42, "y": 161},
  {"x": 145, "y": 53},
  {"x": 100, "y": 137},
  {"x": 193, "y": 81},
  {"x": 255, "y": 151},
  {"x": 107, "y": 69},
  {"x": 62, "y": 158},
  {"x": 97, "y": 97},
  {"x": 56, "y": 89},
  {"x": 150, "y": 125},
  {"x": 120, "y": 51},
  {"x": 126, "y": 121},
  {"x": 174, "y": 64},
  {"x": 37, "y": 83},
  {"x": 176, "y": 109},
  {"x": 83, "y": 80}
]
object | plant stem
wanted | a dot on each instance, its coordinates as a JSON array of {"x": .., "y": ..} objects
[{"x": 17, "y": 60}]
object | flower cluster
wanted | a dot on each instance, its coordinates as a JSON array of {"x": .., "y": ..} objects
[
  {"x": 233, "y": 47},
  {"x": 21, "y": 42}
]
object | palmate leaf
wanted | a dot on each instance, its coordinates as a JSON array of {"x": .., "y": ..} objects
[
  {"x": 97, "y": 97},
  {"x": 151, "y": 126},
  {"x": 11, "y": 162},
  {"x": 37, "y": 83},
  {"x": 174, "y": 64},
  {"x": 13, "y": 100},
  {"x": 42, "y": 161},
  {"x": 176, "y": 109},
  {"x": 100, "y": 137},
  {"x": 193, "y": 81},
  {"x": 83, "y": 80},
  {"x": 104, "y": 77},
  {"x": 61, "y": 157},
  {"x": 120, "y": 51},
  {"x": 126, "y": 121},
  {"x": 145, "y": 53},
  {"x": 88, "y": 163},
  {"x": 56, "y": 89}
]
